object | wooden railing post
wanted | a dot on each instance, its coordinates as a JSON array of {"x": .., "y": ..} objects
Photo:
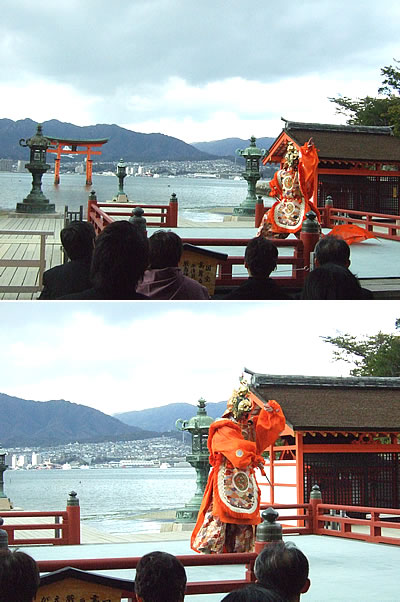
[
  {"x": 92, "y": 200},
  {"x": 309, "y": 235},
  {"x": 3, "y": 537},
  {"x": 74, "y": 519},
  {"x": 315, "y": 499},
  {"x": 269, "y": 531},
  {"x": 172, "y": 220},
  {"x": 259, "y": 211}
]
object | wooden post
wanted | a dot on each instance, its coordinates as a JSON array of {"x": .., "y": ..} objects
[
  {"x": 315, "y": 500},
  {"x": 92, "y": 200},
  {"x": 74, "y": 519},
  {"x": 259, "y": 211},
  {"x": 172, "y": 221},
  {"x": 309, "y": 235}
]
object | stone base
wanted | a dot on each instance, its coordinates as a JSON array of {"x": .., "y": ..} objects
[
  {"x": 120, "y": 198},
  {"x": 244, "y": 211},
  {"x": 176, "y": 527},
  {"x": 35, "y": 207},
  {"x": 5, "y": 504}
]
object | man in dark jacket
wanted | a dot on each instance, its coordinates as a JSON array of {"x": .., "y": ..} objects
[
  {"x": 260, "y": 260},
  {"x": 72, "y": 277}
]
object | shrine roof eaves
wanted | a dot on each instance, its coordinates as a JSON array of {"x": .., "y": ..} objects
[
  {"x": 333, "y": 127},
  {"x": 258, "y": 380}
]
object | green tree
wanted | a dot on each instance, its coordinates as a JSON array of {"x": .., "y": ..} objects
[
  {"x": 381, "y": 110},
  {"x": 375, "y": 355}
]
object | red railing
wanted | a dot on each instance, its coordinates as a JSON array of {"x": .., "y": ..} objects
[
  {"x": 381, "y": 224},
  {"x": 66, "y": 526},
  {"x": 297, "y": 261},
  {"x": 101, "y": 214},
  {"x": 192, "y": 588}
]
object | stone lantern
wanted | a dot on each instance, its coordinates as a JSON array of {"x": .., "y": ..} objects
[
  {"x": 4, "y": 501},
  {"x": 252, "y": 155},
  {"x": 121, "y": 174},
  {"x": 198, "y": 427},
  {"x": 36, "y": 202}
]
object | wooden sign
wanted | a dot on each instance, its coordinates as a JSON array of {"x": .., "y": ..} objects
[
  {"x": 201, "y": 265},
  {"x": 73, "y": 585}
]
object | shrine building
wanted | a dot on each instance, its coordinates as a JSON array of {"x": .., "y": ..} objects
[
  {"x": 341, "y": 434},
  {"x": 359, "y": 166}
]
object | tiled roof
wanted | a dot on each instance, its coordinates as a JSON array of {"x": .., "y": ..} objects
[
  {"x": 347, "y": 142},
  {"x": 332, "y": 404}
]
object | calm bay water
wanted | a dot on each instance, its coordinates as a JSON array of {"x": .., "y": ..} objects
[
  {"x": 194, "y": 195},
  {"x": 111, "y": 500}
]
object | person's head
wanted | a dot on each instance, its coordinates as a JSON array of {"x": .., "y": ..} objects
[
  {"x": 19, "y": 577},
  {"x": 284, "y": 568},
  {"x": 332, "y": 249},
  {"x": 260, "y": 257},
  {"x": 160, "y": 577},
  {"x": 254, "y": 593},
  {"x": 331, "y": 281},
  {"x": 165, "y": 250},
  {"x": 78, "y": 240},
  {"x": 120, "y": 257}
]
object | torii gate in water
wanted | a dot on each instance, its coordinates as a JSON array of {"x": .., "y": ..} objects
[{"x": 67, "y": 146}]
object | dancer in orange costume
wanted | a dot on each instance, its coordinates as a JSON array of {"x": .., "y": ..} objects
[
  {"x": 293, "y": 186},
  {"x": 231, "y": 504}
]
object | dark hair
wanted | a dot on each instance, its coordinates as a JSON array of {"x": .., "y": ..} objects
[
  {"x": 160, "y": 577},
  {"x": 165, "y": 250},
  {"x": 261, "y": 256},
  {"x": 332, "y": 249},
  {"x": 19, "y": 577},
  {"x": 77, "y": 239},
  {"x": 331, "y": 281},
  {"x": 282, "y": 567},
  {"x": 253, "y": 593},
  {"x": 119, "y": 260}
]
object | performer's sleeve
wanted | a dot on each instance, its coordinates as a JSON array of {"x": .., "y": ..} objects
[
  {"x": 269, "y": 426},
  {"x": 234, "y": 447},
  {"x": 308, "y": 165}
]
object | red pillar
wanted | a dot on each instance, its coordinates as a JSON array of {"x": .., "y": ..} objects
[
  {"x": 74, "y": 520},
  {"x": 89, "y": 169},
  {"x": 259, "y": 211},
  {"x": 57, "y": 166},
  {"x": 173, "y": 211},
  {"x": 92, "y": 200}
]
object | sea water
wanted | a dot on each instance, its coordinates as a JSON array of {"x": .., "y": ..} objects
[
  {"x": 111, "y": 500},
  {"x": 196, "y": 197}
]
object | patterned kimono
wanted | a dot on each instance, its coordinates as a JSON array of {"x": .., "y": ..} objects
[{"x": 231, "y": 504}]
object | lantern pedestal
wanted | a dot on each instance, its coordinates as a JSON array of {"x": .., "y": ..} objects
[
  {"x": 252, "y": 155},
  {"x": 36, "y": 202},
  {"x": 188, "y": 514}
]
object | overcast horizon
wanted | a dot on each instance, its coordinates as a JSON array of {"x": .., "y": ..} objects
[{"x": 195, "y": 71}]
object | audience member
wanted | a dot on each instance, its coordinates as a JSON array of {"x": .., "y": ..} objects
[
  {"x": 331, "y": 281},
  {"x": 77, "y": 240},
  {"x": 160, "y": 577},
  {"x": 164, "y": 279},
  {"x": 19, "y": 577},
  {"x": 260, "y": 260},
  {"x": 254, "y": 593},
  {"x": 120, "y": 257},
  {"x": 283, "y": 568},
  {"x": 333, "y": 249}
]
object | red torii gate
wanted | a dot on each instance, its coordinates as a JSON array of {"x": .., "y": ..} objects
[{"x": 67, "y": 146}]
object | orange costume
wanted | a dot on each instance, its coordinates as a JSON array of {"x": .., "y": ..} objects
[
  {"x": 293, "y": 186},
  {"x": 231, "y": 502}
]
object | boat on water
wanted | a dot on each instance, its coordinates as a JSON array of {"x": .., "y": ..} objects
[{"x": 165, "y": 465}]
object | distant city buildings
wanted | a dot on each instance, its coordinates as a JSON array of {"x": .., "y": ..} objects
[{"x": 6, "y": 164}]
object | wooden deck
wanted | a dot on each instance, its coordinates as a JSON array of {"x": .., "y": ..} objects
[{"x": 27, "y": 247}]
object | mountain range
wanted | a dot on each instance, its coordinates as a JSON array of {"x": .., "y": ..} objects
[
  {"x": 56, "y": 422},
  {"x": 164, "y": 418},
  {"x": 27, "y": 422},
  {"x": 131, "y": 146}
]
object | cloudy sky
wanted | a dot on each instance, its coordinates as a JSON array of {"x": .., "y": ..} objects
[
  {"x": 198, "y": 71},
  {"x": 118, "y": 357}
]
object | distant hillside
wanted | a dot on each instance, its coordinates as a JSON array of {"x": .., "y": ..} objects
[
  {"x": 131, "y": 146},
  {"x": 228, "y": 146},
  {"x": 164, "y": 418},
  {"x": 25, "y": 422}
]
